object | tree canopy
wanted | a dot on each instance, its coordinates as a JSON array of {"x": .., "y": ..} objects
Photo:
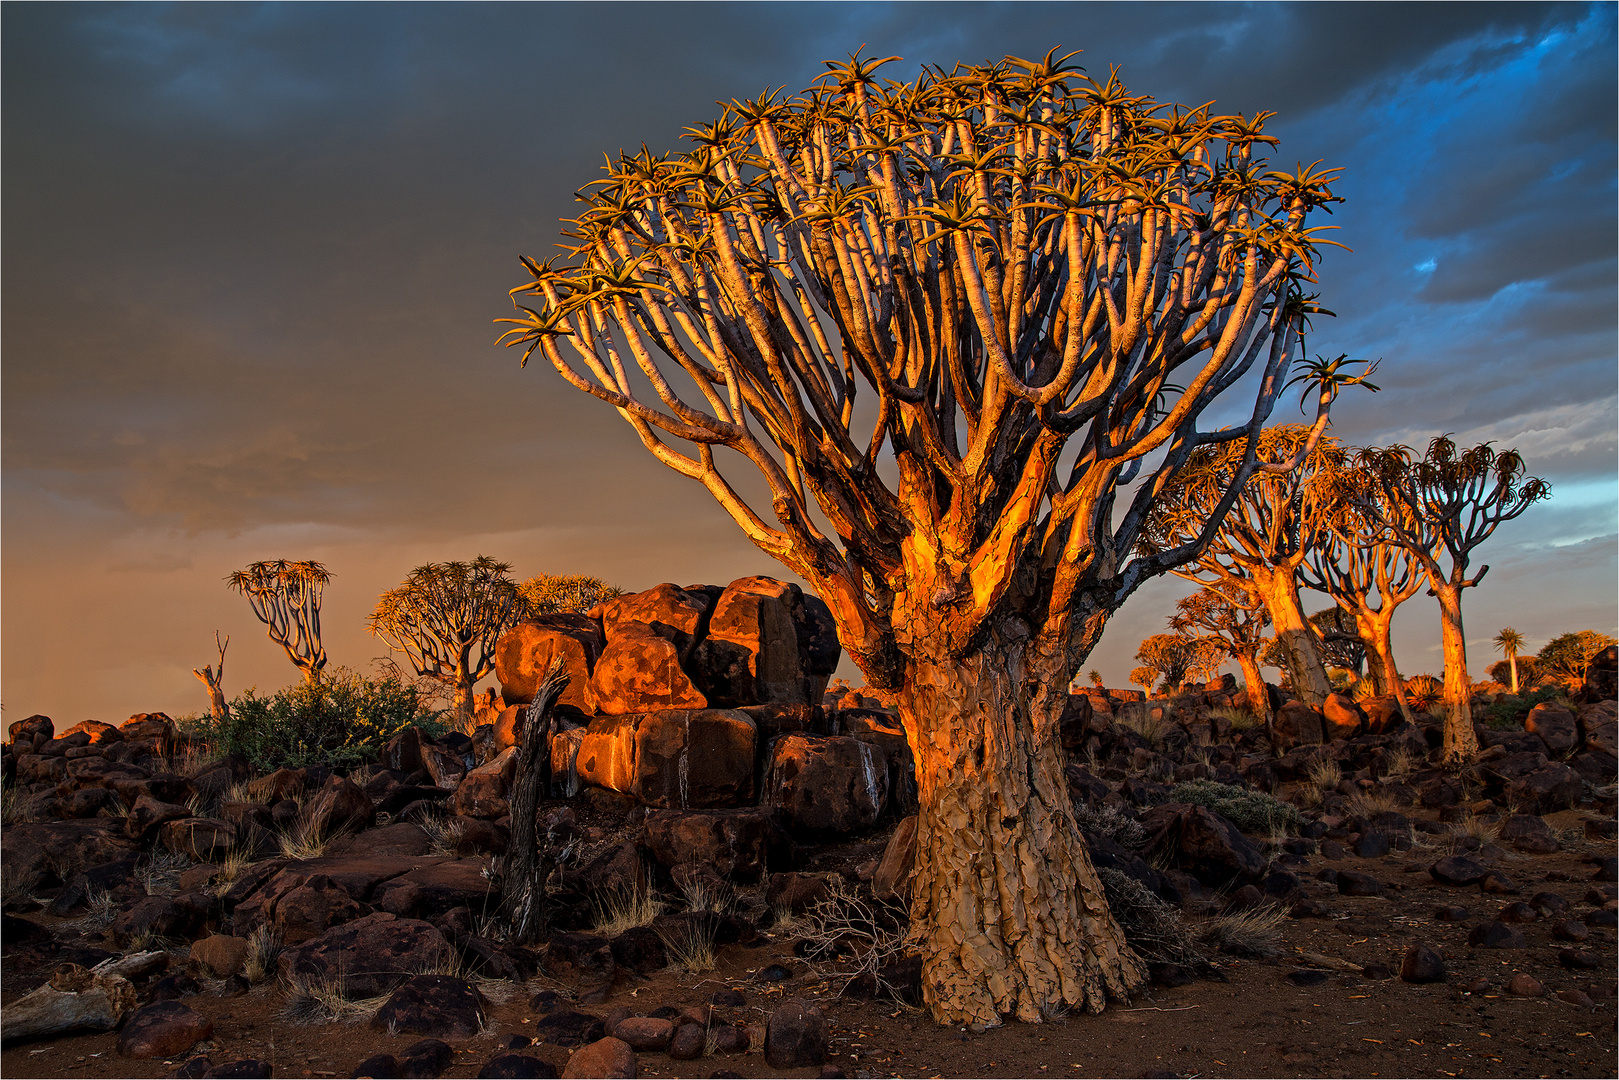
[{"x": 286, "y": 597}]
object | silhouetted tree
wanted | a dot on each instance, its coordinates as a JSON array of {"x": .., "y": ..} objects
[
  {"x": 286, "y": 598},
  {"x": 215, "y": 681},
  {"x": 1341, "y": 645},
  {"x": 446, "y": 618},
  {"x": 1440, "y": 508},
  {"x": 1016, "y": 262}
]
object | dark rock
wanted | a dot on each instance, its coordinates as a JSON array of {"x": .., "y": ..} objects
[
  {"x": 1203, "y": 843},
  {"x": 580, "y": 958},
  {"x": 1517, "y": 912},
  {"x": 155, "y": 916},
  {"x": 568, "y": 1028},
  {"x": 116, "y": 879},
  {"x": 241, "y": 1069},
  {"x": 795, "y": 1036},
  {"x": 194, "y": 1069},
  {"x": 1555, "y": 725},
  {"x": 824, "y": 785},
  {"x": 517, "y": 1067},
  {"x": 1525, "y": 985},
  {"x": 434, "y": 889},
  {"x": 314, "y": 907},
  {"x": 1308, "y": 977},
  {"x": 496, "y": 960},
  {"x": 1377, "y": 972},
  {"x": 1579, "y": 959},
  {"x": 1570, "y": 930},
  {"x": 1354, "y": 883},
  {"x": 1496, "y": 935},
  {"x": 688, "y": 1043},
  {"x": 163, "y": 1029},
  {"x": 727, "y": 998},
  {"x": 437, "y": 1005},
  {"x": 1529, "y": 834},
  {"x": 378, "y": 1065},
  {"x": 481, "y": 794},
  {"x": 1457, "y": 870},
  {"x": 1607, "y": 869},
  {"x": 1422, "y": 964},
  {"x": 1169, "y": 976},
  {"x": 1372, "y": 844},
  {"x": 369, "y": 956},
  {"x": 736, "y": 843},
  {"x": 425, "y": 1058},
  {"x": 639, "y": 949},
  {"x": 199, "y": 839},
  {"x": 173, "y": 987},
  {"x": 1296, "y": 724},
  {"x": 1498, "y": 884}
]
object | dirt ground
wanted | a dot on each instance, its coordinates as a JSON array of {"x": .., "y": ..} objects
[{"x": 1253, "y": 1023}]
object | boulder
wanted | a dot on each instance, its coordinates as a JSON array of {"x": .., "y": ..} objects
[
  {"x": 147, "y": 814},
  {"x": 667, "y": 611},
  {"x": 367, "y": 957},
  {"x": 30, "y": 731},
  {"x": 202, "y": 839},
  {"x": 1602, "y": 676},
  {"x": 1546, "y": 790},
  {"x": 1555, "y": 725},
  {"x": 1296, "y": 724},
  {"x": 440, "y": 1006},
  {"x": 312, "y": 908},
  {"x": 884, "y": 731},
  {"x": 831, "y": 784},
  {"x": 1382, "y": 714},
  {"x": 402, "y": 838},
  {"x": 641, "y": 950},
  {"x": 1457, "y": 870},
  {"x": 482, "y": 792},
  {"x": 444, "y": 767},
  {"x": 1529, "y": 834},
  {"x": 583, "y": 959},
  {"x": 221, "y": 954},
  {"x": 609, "y": 1057},
  {"x": 1203, "y": 843},
  {"x": 563, "y": 1027},
  {"x": 674, "y": 758},
  {"x": 163, "y": 1030},
  {"x": 432, "y": 890},
  {"x": 645, "y": 1034},
  {"x": 1341, "y": 718},
  {"x": 751, "y": 654},
  {"x": 338, "y": 807},
  {"x": 735, "y": 843},
  {"x": 279, "y": 785},
  {"x": 1422, "y": 964},
  {"x": 150, "y": 916},
  {"x": 796, "y": 1036},
  {"x": 640, "y": 671},
  {"x": 403, "y": 752},
  {"x": 99, "y": 732},
  {"x": 524, "y": 653},
  {"x": 1496, "y": 935},
  {"x": 516, "y": 1067}
]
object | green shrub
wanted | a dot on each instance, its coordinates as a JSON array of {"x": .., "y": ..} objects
[
  {"x": 338, "y": 721},
  {"x": 1508, "y": 711},
  {"x": 1250, "y": 811}
]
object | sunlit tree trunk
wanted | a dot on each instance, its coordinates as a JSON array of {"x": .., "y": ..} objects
[
  {"x": 1254, "y": 683},
  {"x": 1461, "y": 742},
  {"x": 1279, "y": 591},
  {"x": 1512, "y": 662},
  {"x": 1009, "y": 913},
  {"x": 1375, "y": 630}
]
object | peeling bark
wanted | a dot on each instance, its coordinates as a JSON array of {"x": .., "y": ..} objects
[
  {"x": 1461, "y": 741},
  {"x": 1280, "y": 593},
  {"x": 1008, "y": 912}
]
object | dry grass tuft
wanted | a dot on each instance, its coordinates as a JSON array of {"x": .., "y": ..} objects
[
  {"x": 322, "y": 1002},
  {"x": 1253, "y": 933},
  {"x": 17, "y": 808},
  {"x": 690, "y": 943},
  {"x": 1366, "y": 805},
  {"x": 1401, "y": 763},
  {"x": 443, "y": 834},
  {"x": 1481, "y": 829},
  {"x": 617, "y": 910},
  {"x": 1153, "y": 928},
  {"x": 1241, "y": 719},
  {"x": 263, "y": 948},
  {"x": 1144, "y": 723},
  {"x": 161, "y": 871},
  {"x": 304, "y": 839},
  {"x": 1323, "y": 778}
]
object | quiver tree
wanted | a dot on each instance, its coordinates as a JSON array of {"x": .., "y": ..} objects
[
  {"x": 215, "y": 681},
  {"x": 1439, "y": 508},
  {"x": 553, "y": 594},
  {"x": 1040, "y": 282},
  {"x": 1366, "y": 572},
  {"x": 446, "y": 618},
  {"x": 1265, "y": 537},
  {"x": 1341, "y": 646},
  {"x": 1168, "y": 656},
  {"x": 1565, "y": 657},
  {"x": 286, "y": 598},
  {"x": 1228, "y": 615}
]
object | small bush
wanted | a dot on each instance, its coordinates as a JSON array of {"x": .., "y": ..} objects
[
  {"x": 1108, "y": 822},
  {"x": 1509, "y": 710},
  {"x": 1241, "y": 719},
  {"x": 1250, "y": 811},
  {"x": 1424, "y": 692},
  {"x": 338, "y": 721},
  {"x": 1152, "y": 927}
]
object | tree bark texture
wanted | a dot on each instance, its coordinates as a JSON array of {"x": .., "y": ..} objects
[
  {"x": 1461, "y": 741},
  {"x": 1376, "y": 631},
  {"x": 1008, "y": 912},
  {"x": 522, "y": 898},
  {"x": 1279, "y": 591}
]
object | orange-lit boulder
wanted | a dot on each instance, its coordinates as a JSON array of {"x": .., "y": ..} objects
[
  {"x": 524, "y": 653},
  {"x": 751, "y": 654},
  {"x": 484, "y": 791},
  {"x": 98, "y": 731},
  {"x": 672, "y": 613},
  {"x": 678, "y": 758},
  {"x": 639, "y": 671}
]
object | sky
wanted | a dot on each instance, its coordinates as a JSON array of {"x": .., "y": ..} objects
[{"x": 252, "y": 255}]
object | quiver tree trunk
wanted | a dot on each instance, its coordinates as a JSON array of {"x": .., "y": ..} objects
[
  {"x": 1254, "y": 682},
  {"x": 1461, "y": 741},
  {"x": 1300, "y": 649},
  {"x": 522, "y": 892},
  {"x": 1008, "y": 912},
  {"x": 1375, "y": 630}
]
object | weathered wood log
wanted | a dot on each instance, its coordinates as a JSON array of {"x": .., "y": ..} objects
[
  {"x": 99, "y": 1003},
  {"x": 1315, "y": 959},
  {"x": 133, "y": 966},
  {"x": 527, "y": 865}
]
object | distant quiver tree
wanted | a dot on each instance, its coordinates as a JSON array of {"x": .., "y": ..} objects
[
  {"x": 286, "y": 598},
  {"x": 1440, "y": 507},
  {"x": 554, "y": 594},
  {"x": 943, "y": 323},
  {"x": 446, "y": 618},
  {"x": 1229, "y": 616},
  {"x": 1510, "y": 642}
]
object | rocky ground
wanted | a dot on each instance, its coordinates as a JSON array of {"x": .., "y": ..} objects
[{"x": 1316, "y": 898}]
